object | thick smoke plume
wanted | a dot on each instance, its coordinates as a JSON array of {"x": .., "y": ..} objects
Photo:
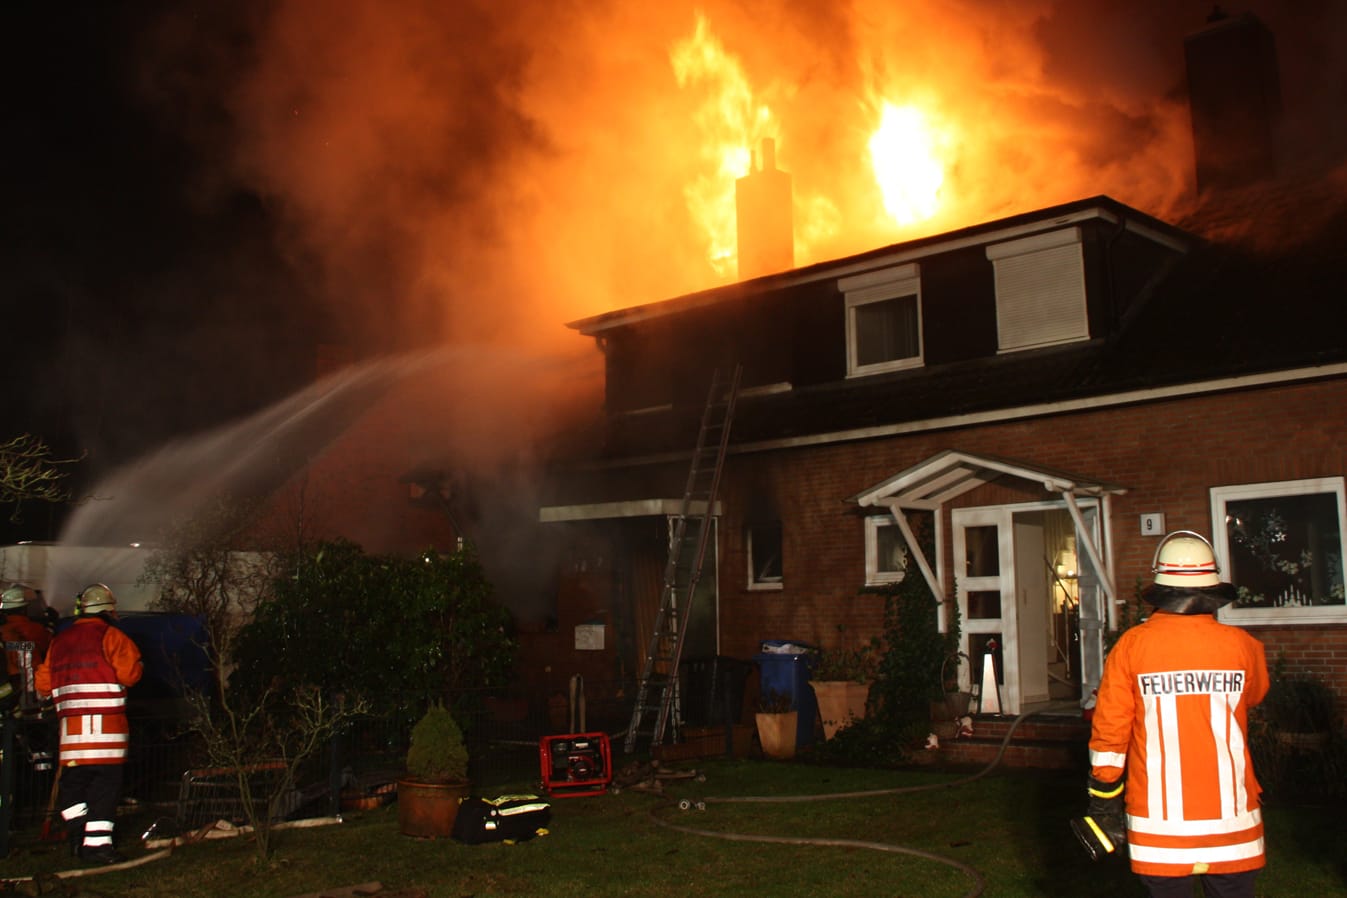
[{"x": 484, "y": 172}]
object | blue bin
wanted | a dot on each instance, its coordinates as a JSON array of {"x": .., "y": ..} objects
[{"x": 787, "y": 673}]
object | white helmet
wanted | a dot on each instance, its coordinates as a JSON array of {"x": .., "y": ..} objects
[
  {"x": 16, "y": 596},
  {"x": 1185, "y": 558},
  {"x": 94, "y": 599},
  {"x": 1187, "y": 579}
]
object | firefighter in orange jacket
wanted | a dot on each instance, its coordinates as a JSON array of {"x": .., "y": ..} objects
[
  {"x": 17, "y": 626},
  {"x": 88, "y": 669},
  {"x": 1173, "y": 713}
]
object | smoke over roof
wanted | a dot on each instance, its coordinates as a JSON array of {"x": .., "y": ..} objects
[
  {"x": 395, "y": 175},
  {"x": 486, "y": 171}
]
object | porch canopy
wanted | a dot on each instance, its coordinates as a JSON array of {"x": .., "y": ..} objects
[
  {"x": 634, "y": 508},
  {"x": 948, "y": 474}
]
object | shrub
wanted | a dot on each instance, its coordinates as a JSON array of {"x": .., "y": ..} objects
[
  {"x": 859, "y": 665},
  {"x": 437, "y": 753},
  {"x": 407, "y": 630},
  {"x": 1300, "y": 704}
]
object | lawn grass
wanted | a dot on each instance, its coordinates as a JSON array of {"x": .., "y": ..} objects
[{"x": 1010, "y": 827}]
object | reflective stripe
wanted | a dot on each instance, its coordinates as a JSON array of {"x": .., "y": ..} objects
[
  {"x": 1240, "y": 755},
  {"x": 1155, "y": 781},
  {"x": 1107, "y": 758},
  {"x": 88, "y": 704},
  {"x": 89, "y": 754},
  {"x": 523, "y": 809},
  {"x": 1187, "y": 857},
  {"x": 1173, "y": 757},
  {"x": 75, "y": 811},
  {"x": 97, "y": 833},
  {"x": 1160, "y": 827},
  {"x": 1109, "y": 791},
  {"x": 1099, "y": 834},
  {"x": 76, "y": 688},
  {"x": 97, "y": 739}
]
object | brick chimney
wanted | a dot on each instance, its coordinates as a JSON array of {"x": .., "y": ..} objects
[
  {"x": 764, "y": 221},
  {"x": 1234, "y": 95}
]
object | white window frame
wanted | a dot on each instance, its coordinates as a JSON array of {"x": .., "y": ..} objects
[
  {"x": 765, "y": 583},
  {"x": 1040, "y": 290},
  {"x": 873, "y": 575},
  {"x": 880, "y": 286},
  {"x": 1320, "y": 614}
]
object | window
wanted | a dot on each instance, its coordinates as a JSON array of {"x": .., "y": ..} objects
[
  {"x": 885, "y": 551},
  {"x": 764, "y": 556},
  {"x": 1281, "y": 545},
  {"x": 883, "y": 310},
  {"x": 1040, "y": 290}
]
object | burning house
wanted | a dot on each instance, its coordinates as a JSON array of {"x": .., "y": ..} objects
[{"x": 1044, "y": 394}]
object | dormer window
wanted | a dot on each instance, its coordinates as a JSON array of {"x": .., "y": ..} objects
[
  {"x": 883, "y": 310},
  {"x": 1040, "y": 290}
]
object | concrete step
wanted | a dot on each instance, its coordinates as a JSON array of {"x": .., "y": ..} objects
[
  {"x": 1040, "y": 742},
  {"x": 977, "y": 753},
  {"x": 1039, "y": 728}
]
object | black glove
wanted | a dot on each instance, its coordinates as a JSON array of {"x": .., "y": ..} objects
[{"x": 1103, "y": 829}]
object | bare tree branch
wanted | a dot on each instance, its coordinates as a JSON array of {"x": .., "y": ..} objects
[{"x": 28, "y": 472}]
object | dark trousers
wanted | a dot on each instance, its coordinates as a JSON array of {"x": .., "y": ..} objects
[
  {"x": 97, "y": 785},
  {"x": 1225, "y": 885}
]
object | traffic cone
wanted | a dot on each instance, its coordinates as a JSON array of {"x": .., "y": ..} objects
[{"x": 989, "y": 696}]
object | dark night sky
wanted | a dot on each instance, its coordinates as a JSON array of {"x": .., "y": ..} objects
[
  {"x": 197, "y": 195},
  {"x": 133, "y": 285}
]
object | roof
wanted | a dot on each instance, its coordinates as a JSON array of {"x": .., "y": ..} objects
[
  {"x": 1097, "y": 207},
  {"x": 1229, "y": 313}
]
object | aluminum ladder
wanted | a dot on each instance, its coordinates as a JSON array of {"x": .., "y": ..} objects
[{"x": 665, "y": 650}]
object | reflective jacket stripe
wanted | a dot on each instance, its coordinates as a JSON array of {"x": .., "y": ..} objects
[
  {"x": 1107, "y": 758},
  {"x": 1158, "y": 827},
  {"x": 1188, "y": 857}
]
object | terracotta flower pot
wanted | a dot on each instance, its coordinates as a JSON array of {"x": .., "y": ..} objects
[
  {"x": 839, "y": 703},
  {"x": 777, "y": 733},
  {"x": 428, "y": 810}
]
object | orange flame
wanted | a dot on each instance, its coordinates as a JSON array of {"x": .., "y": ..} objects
[{"x": 731, "y": 121}]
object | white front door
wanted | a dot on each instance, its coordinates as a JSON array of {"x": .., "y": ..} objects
[
  {"x": 1025, "y": 602},
  {"x": 984, "y": 571}
]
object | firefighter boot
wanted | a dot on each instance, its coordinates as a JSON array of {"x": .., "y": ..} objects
[{"x": 97, "y": 847}]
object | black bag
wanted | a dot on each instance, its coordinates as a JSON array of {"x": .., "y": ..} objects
[{"x": 509, "y": 818}]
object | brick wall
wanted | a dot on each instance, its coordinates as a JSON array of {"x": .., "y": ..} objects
[{"x": 1167, "y": 454}]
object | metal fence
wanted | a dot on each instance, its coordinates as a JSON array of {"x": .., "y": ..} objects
[{"x": 168, "y": 773}]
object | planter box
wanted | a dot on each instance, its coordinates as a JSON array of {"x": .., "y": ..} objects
[{"x": 839, "y": 702}]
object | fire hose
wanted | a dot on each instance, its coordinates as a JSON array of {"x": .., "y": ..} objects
[{"x": 979, "y": 883}]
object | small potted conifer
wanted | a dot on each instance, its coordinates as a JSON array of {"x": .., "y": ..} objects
[{"x": 437, "y": 776}]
